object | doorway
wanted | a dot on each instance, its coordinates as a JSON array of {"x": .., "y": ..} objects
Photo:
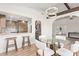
[{"x": 37, "y": 29}]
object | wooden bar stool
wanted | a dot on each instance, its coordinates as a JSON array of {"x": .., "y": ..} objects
[
  {"x": 13, "y": 44},
  {"x": 26, "y": 42}
]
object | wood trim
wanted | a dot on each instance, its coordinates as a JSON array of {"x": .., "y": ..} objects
[
  {"x": 67, "y": 6},
  {"x": 68, "y": 11}
]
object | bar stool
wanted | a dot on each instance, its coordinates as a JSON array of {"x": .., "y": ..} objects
[
  {"x": 8, "y": 45},
  {"x": 26, "y": 42}
]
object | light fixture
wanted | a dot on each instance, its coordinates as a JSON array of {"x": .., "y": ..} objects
[
  {"x": 71, "y": 17},
  {"x": 51, "y": 11},
  {"x": 23, "y": 21}
]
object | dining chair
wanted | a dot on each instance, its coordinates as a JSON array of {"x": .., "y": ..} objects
[
  {"x": 75, "y": 48},
  {"x": 64, "y": 52},
  {"x": 43, "y": 50}
]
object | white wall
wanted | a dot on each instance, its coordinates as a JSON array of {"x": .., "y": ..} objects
[
  {"x": 35, "y": 15},
  {"x": 67, "y": 25},
  {"x": 23, "y": 11},
  {"x": 47, "y": 28},
  {"x": 32, "y": 13}
]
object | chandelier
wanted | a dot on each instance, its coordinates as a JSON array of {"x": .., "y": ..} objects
[{"x": 52, "y": 11}]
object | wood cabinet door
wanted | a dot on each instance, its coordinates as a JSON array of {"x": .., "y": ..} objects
[
  {"x": 3, "y": 22},
  {"x": 23, "y": 26}
]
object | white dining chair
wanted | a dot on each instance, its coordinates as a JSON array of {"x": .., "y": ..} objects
[
  {"x": 77, "y": 42},
  {"x": 43, "y": 38},
  {"x": 64, "y": 52},
  {"x": 75, "y": 48},
  {"x": 43, "y": 50}
]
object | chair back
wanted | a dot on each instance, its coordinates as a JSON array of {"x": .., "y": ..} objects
[
  {"x": 40, "y": 45},
  {"x": 43, "y": 38}
]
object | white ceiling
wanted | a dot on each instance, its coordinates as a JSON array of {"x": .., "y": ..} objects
[
  {"x": 41, "y": 6},
  {"x": 44, "y": 6}
]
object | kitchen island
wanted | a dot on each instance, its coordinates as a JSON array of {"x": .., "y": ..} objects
[{"x": 19, "y": 38}]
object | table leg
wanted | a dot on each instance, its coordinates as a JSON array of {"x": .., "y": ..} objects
[{"x": 59, "y": 45}]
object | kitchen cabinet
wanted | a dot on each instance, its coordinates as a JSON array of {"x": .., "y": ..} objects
[
  {"x": 2, "y": 21},
  {"x": 11, "y": 26},
  {"x": 23, "y": 26},
  {"x": 17, "y": 26}
]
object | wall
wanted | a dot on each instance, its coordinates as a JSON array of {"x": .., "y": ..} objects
[
  {"x": 32, "y": 13},
  {"x": 47, "y": 27},
  {"x": 47, "y": 24},
  {"x": 23, "y": 11},
  {"x": 67, "y": 25}
]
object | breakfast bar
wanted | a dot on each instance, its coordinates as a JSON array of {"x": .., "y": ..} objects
[{"x": 19, "y": 38}]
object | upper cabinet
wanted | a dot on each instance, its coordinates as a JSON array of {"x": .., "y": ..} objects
[
  {"x": 23, "y": 26},
  {"x": 15, "y": 24},
  {"x": 2, "y": 21}
]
